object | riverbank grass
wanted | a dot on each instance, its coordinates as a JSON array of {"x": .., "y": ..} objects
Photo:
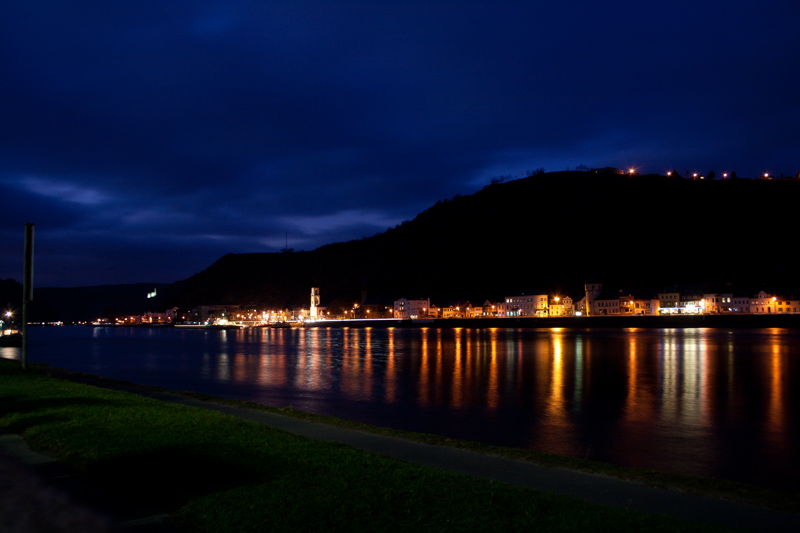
[{"x": 212, "y": 472}]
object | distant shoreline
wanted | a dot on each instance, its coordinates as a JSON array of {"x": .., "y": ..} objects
[
  {"x": 676, "y": 321},
  {"x": 791, "y": 321}
]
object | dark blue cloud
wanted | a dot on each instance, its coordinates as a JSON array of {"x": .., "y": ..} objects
[{"x": 175, "y": 132}]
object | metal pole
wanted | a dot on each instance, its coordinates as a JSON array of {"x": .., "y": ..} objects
[{"x": 27, "y": 289}]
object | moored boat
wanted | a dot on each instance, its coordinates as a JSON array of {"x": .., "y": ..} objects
[{"x": 11, "y": 339}]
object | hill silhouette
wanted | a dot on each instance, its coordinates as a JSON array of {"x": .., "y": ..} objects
[
  {"x": 72, "y": 304},
  {"x": 548, "y": 232}
]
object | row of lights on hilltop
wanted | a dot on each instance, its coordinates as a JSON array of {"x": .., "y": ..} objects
[{"x": 695, "y": 175}]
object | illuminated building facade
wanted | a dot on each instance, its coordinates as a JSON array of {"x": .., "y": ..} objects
[
  {"x": 561, "y": 307},
  {"x": 765, "y": 303},
  {"x": 404, "y": 308},
  {"x": 313, "y": 310},
  {"x": 526, "y": 305},
  {"x": 668, "y": 302}
]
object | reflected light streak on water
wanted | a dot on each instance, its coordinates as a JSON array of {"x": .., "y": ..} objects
[
  {"x": 700, "y": 401},
  {"x": 424, "y": 383},
  {"x": 390, "y": 383},
  {"x": 457, "y": 371}
]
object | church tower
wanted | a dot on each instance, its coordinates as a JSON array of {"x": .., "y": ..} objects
[
  {"x": 593, "y": 291},
  {"x": 314, "y": 302}
]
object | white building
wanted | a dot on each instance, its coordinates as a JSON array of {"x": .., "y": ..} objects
[
  {"x": 526, "y": 305},
  {"x": 768, "y": 303},
  {"x": 717, "y": 303},
  {"x": 404, "y": 308},
  {"x": 561, "y": 307}
]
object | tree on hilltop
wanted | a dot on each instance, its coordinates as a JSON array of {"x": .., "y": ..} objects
[{"x": 537, "y": 172}]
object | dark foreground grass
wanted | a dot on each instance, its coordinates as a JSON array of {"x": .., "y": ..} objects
[
  {"x": 715, "y": 488},
  {"x": 213, "y": 472}
]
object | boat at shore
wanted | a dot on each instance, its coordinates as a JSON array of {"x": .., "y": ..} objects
[{"x": 11, "y": 339}]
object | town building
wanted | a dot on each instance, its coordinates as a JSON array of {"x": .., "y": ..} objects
[
  {"x": 769, "y": 303},
  {"x": 668, "y": 302},
  {"x": 452, "y": 311},
  {"x": 787, "y": 306},
  {"x": 717, "y": 303},
  {"x": 404, "y": 308},
  {"x": 645, "y": 306},
  {"x": 605, "y": 306},
  {"x": 526, "y": 305},
  {"x": 561, "y": 307}
]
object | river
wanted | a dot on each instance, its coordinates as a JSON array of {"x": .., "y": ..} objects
[{"x": 710, "y": 402}]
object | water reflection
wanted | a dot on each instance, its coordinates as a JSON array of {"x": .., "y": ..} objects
[
  {"x": 390, "y": 383},
  {"x": 424, "y": 379},
  {"x": 683, "y": 354},
  {"x": 700, "y": 401},
  {"x": 11, "y": 352},
  {"x": 777, "y": 404}
]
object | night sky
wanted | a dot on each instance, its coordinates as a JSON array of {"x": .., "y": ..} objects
[{"x": 147, "y": 139}]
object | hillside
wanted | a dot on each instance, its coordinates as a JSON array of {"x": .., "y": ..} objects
[
  {"x": 91, "y": 303},
  {"x": 544, "y": 233}
]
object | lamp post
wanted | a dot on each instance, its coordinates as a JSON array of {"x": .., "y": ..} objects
[{"x": 27, "y": 289}]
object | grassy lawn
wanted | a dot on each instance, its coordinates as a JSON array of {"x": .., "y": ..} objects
[{"x": 213, "y": 472}]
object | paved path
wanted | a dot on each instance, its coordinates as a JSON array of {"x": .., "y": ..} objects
[
  {"x": 39, "y": 494},
  {"x": 590, "y": 487}
]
